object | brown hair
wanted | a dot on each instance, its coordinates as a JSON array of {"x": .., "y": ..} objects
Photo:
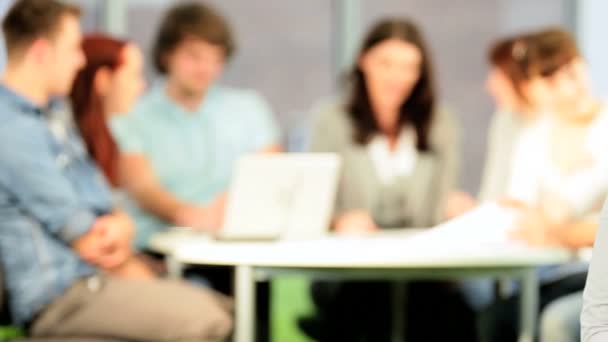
[
  {"x": 101, "y": 52},
  {"x": 28, "y": 20},
  {"x": 191, "y": 20},
  {"x": 513, "y": 56},
  {"x": 553, "y": 49},
  {"x": 540, "y": 53},
  {"x": 417, "y": 109}
]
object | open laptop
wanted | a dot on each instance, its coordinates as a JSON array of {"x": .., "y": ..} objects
[{"x": 276, "y": 196}]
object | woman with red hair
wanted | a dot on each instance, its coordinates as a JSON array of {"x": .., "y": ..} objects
[{"x": 109, "y": 84}]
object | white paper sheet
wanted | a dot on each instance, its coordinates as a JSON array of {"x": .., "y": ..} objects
[{"x": 488, "y": 224}]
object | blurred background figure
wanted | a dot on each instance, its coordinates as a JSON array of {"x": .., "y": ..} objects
[
  {"x": 506, "y": 84},
  {"x": 109, "y": 84},
  {"x": 558, "y": 178},
  {"x": 400, "y": 150},
  {"x": 179, "y": 145},
  {"x": 181, "y": 179},
  {"x": 298, "y": 65},
  {"x": 400, "y": 154}
]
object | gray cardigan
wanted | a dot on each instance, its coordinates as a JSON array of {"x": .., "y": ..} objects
[{"x": 415, "y": 200}]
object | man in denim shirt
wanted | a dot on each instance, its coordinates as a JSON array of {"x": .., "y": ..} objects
[{"x": 57, "y": 225}]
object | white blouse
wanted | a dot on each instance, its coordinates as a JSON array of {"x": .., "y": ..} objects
[
  {"x": 391, "y": 164},
  {"x": 534, "y": 174}
]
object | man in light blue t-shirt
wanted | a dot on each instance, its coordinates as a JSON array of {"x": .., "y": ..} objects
[{"x": 180, "y": 143}]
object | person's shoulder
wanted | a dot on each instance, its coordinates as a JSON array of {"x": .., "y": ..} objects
[
  {"x": 8, "y": 116},
  {"x": 332, "y": 128},
  {"x": 150, "y": 104},
  {"x": 535, "y": 132},
  {"x": 602, "y": 116},
  {"x": 230, "y": 91},
  {"x": 148, "y": 109},
  {"x": 333, "y": 114},
  {"x": 507, "y": 119},
  {"x": 13, "y": 122},
  {"x": 505, "y": 124},
  {"x": 445, "y": 126},
  {"x": 330, "y": 117},
  {"x": 237, "y": 96},
  {"x": 21, "y": 132},
  {"x": 599, "y": 126},
  {"x": 145, "y": 112}
]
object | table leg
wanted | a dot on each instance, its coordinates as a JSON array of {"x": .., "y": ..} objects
[
  {"x": 244, "y": 329},
  {"x": 528, "y": 305},
  {"x": 399, "y": 307}
]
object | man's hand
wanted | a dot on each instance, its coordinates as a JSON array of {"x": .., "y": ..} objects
[
  {"x": 108, "y": 243},
  {"x": 209, "y": 218}
]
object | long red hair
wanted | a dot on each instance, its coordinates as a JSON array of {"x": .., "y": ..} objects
[{"x": 101, "y": 51}]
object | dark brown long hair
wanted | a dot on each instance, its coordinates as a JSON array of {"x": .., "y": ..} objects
[
  {"x": 101, "y": 51},
  {"x": 418, "y": 108}
]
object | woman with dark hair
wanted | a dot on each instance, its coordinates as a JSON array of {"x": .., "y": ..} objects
[
  {"x": 400, "y": 161},
  {"x": 400, "y": 151},
  {"x": 109, "y": 84}
]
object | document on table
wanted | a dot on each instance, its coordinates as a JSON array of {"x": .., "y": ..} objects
[{"x": 489, "y": 223}]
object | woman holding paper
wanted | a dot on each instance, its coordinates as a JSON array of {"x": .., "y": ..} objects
[{"x": 558, "y": 178}]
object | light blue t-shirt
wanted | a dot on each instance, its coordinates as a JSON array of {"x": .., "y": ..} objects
[{"x": 193, "y": 153}]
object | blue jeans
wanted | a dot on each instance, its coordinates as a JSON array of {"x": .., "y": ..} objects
[
  {"x": 560, "y": 321},
  {"x": 478, "y": 293},
  {"x": 499, "y": 322}
]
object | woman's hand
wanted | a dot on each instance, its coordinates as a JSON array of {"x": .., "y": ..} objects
[
  {"x": 534, "y": 228},
  {"x": 356, "y": 222},
  {"x": 458, "y": 203}
]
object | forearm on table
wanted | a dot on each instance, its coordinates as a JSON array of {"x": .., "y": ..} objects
[
  {"x": 158, "y": 201},
  {"x": 274, "y": 148},
  {"x": 139, "y": 179},
  {"x": 577, "y": 234}
]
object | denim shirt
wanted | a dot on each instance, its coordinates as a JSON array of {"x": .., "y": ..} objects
[{"x": 50, "y": 194}]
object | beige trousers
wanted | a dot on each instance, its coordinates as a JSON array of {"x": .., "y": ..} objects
[{"x": 137, "y": 310}]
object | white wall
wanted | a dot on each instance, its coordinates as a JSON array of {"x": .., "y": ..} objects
[
  {"x": 4, "y": 4},
  {"x": 592, "y": 27}
]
